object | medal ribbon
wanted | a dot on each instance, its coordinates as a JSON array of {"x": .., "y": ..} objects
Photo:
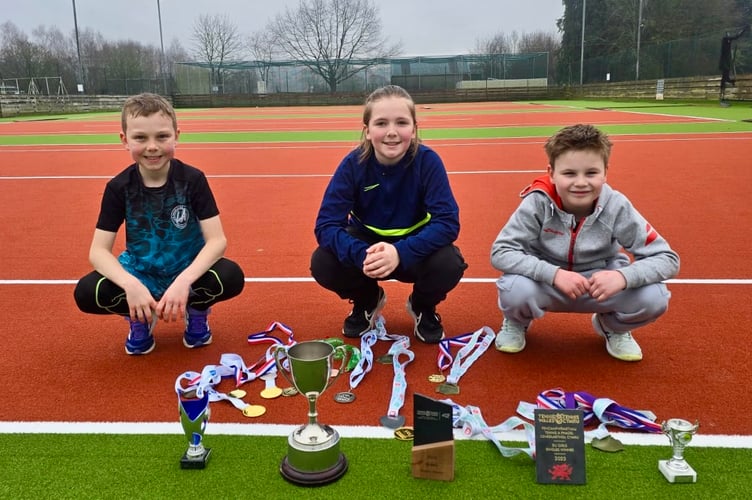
[
  {"x": 604, "y": 410},
  {"x": 365, "y": 363},
  {"x": 400, "y": 346},
  {"x": 267, "y": 363},
  {"x": 445, "y": 358},
  {"x": 470, "y": 420},
  {"x": 399, "y": 385},
  {"x": 469, "y": 353}
]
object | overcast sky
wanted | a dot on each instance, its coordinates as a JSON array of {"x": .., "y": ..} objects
[{"x": 425, "y": 27}]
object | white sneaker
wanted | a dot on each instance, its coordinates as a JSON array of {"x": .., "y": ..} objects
[
  {"x": 620, "y": 345},
  {"x": 511, "y": 337}
]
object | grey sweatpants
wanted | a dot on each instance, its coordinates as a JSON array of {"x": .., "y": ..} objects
[{"x": 522, "y": 300}]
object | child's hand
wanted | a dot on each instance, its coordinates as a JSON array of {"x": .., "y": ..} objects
[
  {"x": 140, "y": 302},
  {"x": 606, "y": 284},
  {"x": 171, "y": 306},
  {"x": 381, "y": 260},
  {"x": 571, "y": 284}
]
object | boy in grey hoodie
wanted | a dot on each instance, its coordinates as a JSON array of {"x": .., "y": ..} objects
[{"x": 563, "y": 250}]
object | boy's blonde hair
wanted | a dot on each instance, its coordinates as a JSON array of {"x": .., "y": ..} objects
[
  {"x": 578, "y": 138},
  {"x": 147, "y": 104},
  {"x": 366, "y": 148}
]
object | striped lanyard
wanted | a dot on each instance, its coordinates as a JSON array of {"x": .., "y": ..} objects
[
  {"x": 472, "y": 347},
  {"x": 266, "y": 366}
]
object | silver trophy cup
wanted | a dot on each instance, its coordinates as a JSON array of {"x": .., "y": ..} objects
[
  {"x": 676, "y": 469},
  {"x": 194, "y": 414},
  {"x": 313, "y": 454}
]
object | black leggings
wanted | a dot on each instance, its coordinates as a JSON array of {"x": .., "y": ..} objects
[
  {"x": 432, "y": 278},
  {"x": 95, "y": 294}
]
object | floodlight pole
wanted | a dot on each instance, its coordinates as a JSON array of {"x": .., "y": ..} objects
[
  {"x": 78, "y": 47},
  {"x": 582, "y": 41},
  {"x": 161, "y": 42},
  {"x": 639, "y": 33}
]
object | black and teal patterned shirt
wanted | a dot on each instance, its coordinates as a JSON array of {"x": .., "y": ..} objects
[{"x": 162, "y": 231}]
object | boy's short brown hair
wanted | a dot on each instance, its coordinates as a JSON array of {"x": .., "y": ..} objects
[
  {"x": 578, "y": 138},
  {"x": 147, "y": 104}
]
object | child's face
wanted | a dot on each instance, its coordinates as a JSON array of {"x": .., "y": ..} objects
[
  {"x": 391, "y": 129},
  {"x": 579, "y": 177},
  {"x": 151, "y": 141}
]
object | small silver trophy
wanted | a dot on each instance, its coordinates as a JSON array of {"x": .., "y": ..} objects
[
  {"x": 676, "y": 469},
  {"x": 313, "y": 456},
  {"x": 193, "y": 405}
]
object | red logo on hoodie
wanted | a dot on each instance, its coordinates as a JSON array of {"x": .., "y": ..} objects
[{"x": 652, "y": 234}]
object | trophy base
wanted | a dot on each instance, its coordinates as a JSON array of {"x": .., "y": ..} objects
[
  {"x": 313, "y": 478},
  {"x": 315, "y": 463},
  {"x": 199, "y": 462},
  {"x": 673, "y": 476}
]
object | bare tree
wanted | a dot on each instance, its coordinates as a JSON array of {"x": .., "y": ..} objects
[
  {"x": 335, "y": 39},
  {"x": 263, "y": 49},
  {"x": 216, "y": 40}
]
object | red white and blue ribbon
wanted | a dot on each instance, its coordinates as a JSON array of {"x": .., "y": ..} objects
[
  {"x": 472, "y": 347},
  {"x": 602, "y": 410}
]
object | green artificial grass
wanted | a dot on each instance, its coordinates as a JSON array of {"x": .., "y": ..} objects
[
  {"x": 729, "y": 120},
  {"x": 101, "y": 466}
]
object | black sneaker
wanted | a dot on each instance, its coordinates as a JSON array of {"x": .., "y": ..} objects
[
  {"x": 362, "y": 320},
  {"x": 427, "y": 323}
]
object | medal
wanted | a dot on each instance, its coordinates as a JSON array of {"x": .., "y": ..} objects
[
  {"x": 394, "y": 422},
  {"x": 254, "y": 410},
  {"x": 448, "y": 389},
  {"x": 289, "y": 391},
  {"x": 271, "y": 392},
  {"x": 436, "y": 378},
  {"x": 344, "y": 397},
  {"x": 404, "y": 433},
  {"x": 237, "y": 393},
  {"x": 386, "y": 359}
]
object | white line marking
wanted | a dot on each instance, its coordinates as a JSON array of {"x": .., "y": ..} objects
[
  {"x": 354, "y": 431},
  {"x": 295, "y": 279}
]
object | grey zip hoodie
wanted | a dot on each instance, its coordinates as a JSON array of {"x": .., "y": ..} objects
[{"x": 540, "y": 238}]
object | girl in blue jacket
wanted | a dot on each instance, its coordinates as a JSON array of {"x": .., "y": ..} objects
[{"x": 389, "y": 213}]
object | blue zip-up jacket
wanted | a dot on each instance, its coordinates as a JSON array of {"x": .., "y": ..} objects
[{"x": 410, "y": 205}]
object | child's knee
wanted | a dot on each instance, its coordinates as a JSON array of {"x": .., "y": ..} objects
[{"x": 515, "y": 291}]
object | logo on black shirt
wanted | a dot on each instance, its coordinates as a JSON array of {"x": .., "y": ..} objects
[{"x": 179, "y": 216}]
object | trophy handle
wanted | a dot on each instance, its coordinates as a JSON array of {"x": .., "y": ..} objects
[
  {"x": 343, "y": 362},
  {"x": 280, "y": 368}
]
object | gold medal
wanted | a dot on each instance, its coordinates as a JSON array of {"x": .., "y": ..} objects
[
  {"x": 271, "y": 392},
  {"x": 436, "y": 378},
  {"x": 404, "y": 434},
  {"x": 237, "y": 393},
  {"x": 254, "y": 410}
]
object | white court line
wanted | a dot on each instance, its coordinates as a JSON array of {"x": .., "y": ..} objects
[
  {"x": 248, "y": 176},
  {"x": 347, "y": 431},
  {"x": 339, "y": 144},
  {"x": 294, "y": 279}
]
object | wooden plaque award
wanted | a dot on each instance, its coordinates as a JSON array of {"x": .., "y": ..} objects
[{"x": 433, "y": 444}]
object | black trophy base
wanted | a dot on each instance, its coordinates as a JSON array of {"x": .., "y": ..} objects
[
  {"x": 199, "y": 462},
  {"x": 317, "y": 478}
]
